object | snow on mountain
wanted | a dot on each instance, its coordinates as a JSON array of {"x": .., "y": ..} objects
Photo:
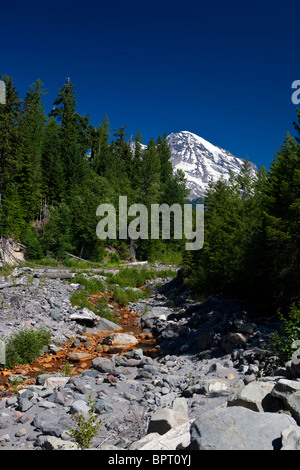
[{"x": 202, "y": 161}]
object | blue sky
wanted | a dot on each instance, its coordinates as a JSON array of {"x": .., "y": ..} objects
[{"x": 222, "y": 70}]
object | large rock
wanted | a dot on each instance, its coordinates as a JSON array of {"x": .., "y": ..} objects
[
  {"x": 292, "y": 402},
  {"x": 56, "y": 381},
  {"x": 106, "y": 325},
  {"x": 85, "y": 316},
  {"x": 55, "y": 443},
  {"x": 165, "y": 419},
  {"x": 137, "y": 445},
  {"x": 48, "y": 424},
  {"x": 284, "y": 387},
  {"x": 149, "y": 319},
  {"x": 255, "y": 396},
  {"x": 295, "y": 364},
  {"x": 175, "y": 439},
  {"x": 238, "y": 428},
  {"x": 80, "y": 406},
  {"x": 103, "y": 364},
  {"x": 291, "y": 438},
  {"x": 119, "y": 338}
]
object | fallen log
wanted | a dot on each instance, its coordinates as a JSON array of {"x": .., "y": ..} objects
[{"x": 55, "y": 275}]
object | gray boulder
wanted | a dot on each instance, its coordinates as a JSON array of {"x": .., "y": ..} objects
[
  {"x": 149, "y": 319},
  {"x": 103, "y": 364},
  {"x": 106, "y": 325},
  {"x": 291, "y": 438},
  {"x": 165, "y": 419},
  {"x": 292, "y": 402},
  {"x": 48, "y": 424},
  {"x": 295, "y": 364},
  {"x": 80, "y": 406},
  {"x": 284, "y": 387},
  {"x": 238, "y": 428},
  {"x": 255, "y": 396}
]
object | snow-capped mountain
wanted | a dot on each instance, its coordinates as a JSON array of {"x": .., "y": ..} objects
[{"x": 202, "y": 161}]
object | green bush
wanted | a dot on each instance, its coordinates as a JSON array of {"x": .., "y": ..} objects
[
  {"x": 86, "y": 427},
  {"x": 93, "y": 285},
  {"x": 26, "y": 346},
  {"x": 281, "y": 343}
]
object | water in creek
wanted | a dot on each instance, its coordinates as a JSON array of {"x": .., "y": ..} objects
[{"x": 70, "y": 359}]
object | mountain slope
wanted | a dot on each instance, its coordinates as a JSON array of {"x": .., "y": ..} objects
[{"x": 202, "y": 161}]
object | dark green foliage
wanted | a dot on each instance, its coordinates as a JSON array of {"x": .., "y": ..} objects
[
  {"x": 252, "y": 241},
  {"x": 56, "y": 170},
  {"x": 281, "y": 343},
  {"x": 11, "y": 215},
  {"x": 29, "y": 174},
  {"x": 26, "y": 346}
]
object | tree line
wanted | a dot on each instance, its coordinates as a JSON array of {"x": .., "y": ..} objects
[
  {"x": 252, "y": 233},
  {"x": 56, "y": 169}
]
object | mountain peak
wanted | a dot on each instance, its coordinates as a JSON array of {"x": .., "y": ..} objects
[{"x": 202, "y": 161}]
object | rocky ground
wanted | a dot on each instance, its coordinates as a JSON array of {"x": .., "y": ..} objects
[{"x": 197, "y": 386}]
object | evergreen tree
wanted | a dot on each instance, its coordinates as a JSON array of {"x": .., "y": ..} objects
[
  {"x": 136, "y": 174},
  {"x": 75, "y": 135},
  {"x": 123, "y": 150},
  {"x": 282, "y": 223},
  {"x": 101, "y": 152},
  {"x": 164, "y": 154},
  {"x": 151, "y": 174},
  {"x": 53, "y": 181},
  {"x": 10, "y": 203},
  {"x": 32, "y": 128}
]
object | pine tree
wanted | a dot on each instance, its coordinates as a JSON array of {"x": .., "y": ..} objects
[
  {"x": 75, "y": 135},
  {"x": 10, "y": 203},
  {"x": 32, "y": 128},
  {"x": 164, "y": 154},
  {"x": 123, "y": 150},
  {"x": 101, "y": 152},
  {"x": 136, "y": 174},
  {"x": 53, "y": 181},
  {"x": 151, "y": 174},
  {"x": 282, "y": 223}
]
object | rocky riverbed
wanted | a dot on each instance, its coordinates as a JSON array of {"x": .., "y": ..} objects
[{"x": 186, "y": 373}]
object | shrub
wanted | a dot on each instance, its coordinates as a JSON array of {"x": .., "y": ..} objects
[
  {"x": 281, "y": 343},
  {"x": 93, "y": 285},
  {"x": 125, "y": 296},
  {"x": 26, "y": 346},
  {"x": 86, "y": 427}
]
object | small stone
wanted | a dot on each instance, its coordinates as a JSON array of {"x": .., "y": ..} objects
[
  {"x": 21, "y": 432},
  {"x": 111, "y": 379},
  {"x": 230, "y": 376}
]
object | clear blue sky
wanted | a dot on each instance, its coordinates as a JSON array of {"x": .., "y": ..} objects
[{"x": 221, "y": 69}]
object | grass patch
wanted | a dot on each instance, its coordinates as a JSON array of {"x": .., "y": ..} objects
[
  {"x": 92, "y": 286},
  {"x": 125, "y": 296},
  {"x": 133, "y": 277},
  {"x": 6, "y": 269}
]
